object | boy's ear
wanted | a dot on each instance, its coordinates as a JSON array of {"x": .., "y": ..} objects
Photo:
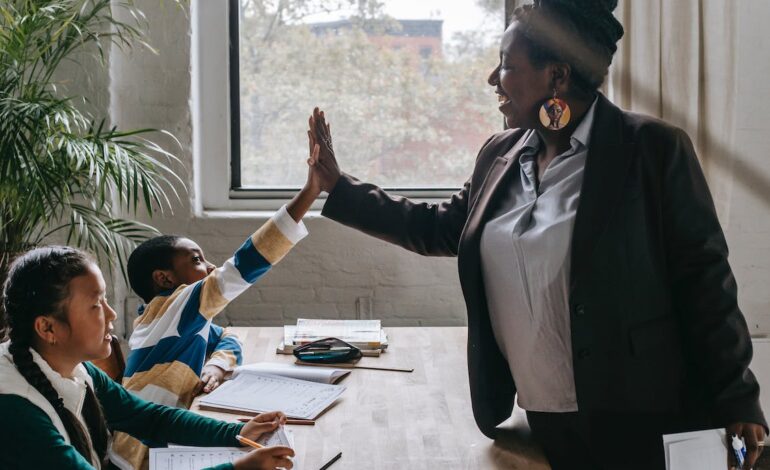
[{"x": 163, "y": 279}]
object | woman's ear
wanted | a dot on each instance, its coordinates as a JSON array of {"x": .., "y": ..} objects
[
  {"x": 45, "y": 328},
  {"x": 561, "y": 76}
]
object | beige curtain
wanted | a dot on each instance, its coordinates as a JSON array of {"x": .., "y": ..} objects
[{"x": 677, "y": 62}]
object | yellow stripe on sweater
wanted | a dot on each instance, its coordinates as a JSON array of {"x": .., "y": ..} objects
[
  {"x": 157, "y": 307},
  {"x": 271, "y": 243},
  {"x": 212, "y": 300},
  {"x": 224, "y": 355},
  {"x": 176, "y": 377},
  {"x": 131, "y": 450}
]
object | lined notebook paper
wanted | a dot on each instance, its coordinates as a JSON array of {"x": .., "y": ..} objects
[
  {"x": 195, "y": 458},
  {"x": 261, "y": 393}
]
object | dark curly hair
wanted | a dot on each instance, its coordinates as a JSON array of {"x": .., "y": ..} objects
[
  {"x": 155, "y": 253},
  {"x": 38, "y": 284},
  {"x": 582, "y": 33}
]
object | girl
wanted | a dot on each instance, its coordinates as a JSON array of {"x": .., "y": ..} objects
[{"x": 64, "y": 408}]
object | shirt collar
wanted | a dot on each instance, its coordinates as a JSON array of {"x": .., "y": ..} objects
[
  {"x": 72, "y": 391},
  {"x": 583, "y": 132}
]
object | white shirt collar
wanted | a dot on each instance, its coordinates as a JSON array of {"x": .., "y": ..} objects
[
  {"x": 72, "y": 391},
  {"x": 583, "y": 132}
]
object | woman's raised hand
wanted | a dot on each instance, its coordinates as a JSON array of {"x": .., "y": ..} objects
[{"x": 324, "y": 171}]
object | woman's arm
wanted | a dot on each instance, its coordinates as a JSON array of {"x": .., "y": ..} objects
[
  {"x": 427, "y": 229},
  {"x": 704, "y": 293}
]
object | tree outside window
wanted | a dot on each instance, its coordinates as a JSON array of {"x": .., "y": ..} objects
[{"x": 406, "y": 97}]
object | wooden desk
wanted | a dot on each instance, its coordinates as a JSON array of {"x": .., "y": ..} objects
[{"x": 397, "y": 420}]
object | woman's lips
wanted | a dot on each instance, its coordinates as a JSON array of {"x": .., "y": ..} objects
[{"x": 502, "y": 101}]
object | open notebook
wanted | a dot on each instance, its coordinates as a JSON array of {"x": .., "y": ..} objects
[
  {"x": 259, "y": 392},
  {"x": 324, "y": 375}
]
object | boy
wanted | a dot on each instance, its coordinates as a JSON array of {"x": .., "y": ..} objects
[{"x": 174, "y": 334}]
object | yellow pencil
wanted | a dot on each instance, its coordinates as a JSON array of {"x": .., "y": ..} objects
[{"x": 249, "y": 442}]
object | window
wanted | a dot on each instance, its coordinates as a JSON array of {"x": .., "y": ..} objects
[{"x": 403, "y": 84}]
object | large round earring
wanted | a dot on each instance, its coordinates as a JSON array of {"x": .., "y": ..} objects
[{"x": 555, "y": 113}]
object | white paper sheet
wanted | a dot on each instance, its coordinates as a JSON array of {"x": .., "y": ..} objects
[
  {"x": 324, "y": 375},
  {"x": 700, "y": 450},
  {"x": 261, "y": 393},
  {"x": 195, "y": 458}
]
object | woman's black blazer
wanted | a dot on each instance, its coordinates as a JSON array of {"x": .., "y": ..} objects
[{"x": 654, "y": 316}]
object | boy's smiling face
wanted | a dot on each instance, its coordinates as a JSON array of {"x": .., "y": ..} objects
[{"x": 187, "y": 266}]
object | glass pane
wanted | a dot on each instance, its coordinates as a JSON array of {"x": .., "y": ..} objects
[{"x": 403, "y": 84}]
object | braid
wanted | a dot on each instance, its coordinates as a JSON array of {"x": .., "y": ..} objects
[
  {"x": 37, "y": 284},
  {"x": 93, "y": 415},
  {"x": 27, "y": 367}
]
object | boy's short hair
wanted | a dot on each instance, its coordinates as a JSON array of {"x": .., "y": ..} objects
[{"x": 155, "y": 253}]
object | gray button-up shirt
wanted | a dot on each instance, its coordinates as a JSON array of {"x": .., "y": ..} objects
[{"x": 525, "y": 260}]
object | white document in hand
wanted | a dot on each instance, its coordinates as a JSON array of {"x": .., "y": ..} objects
[
  {"x": 261, "y": 393},
  {"x": 699, "y": 450}
]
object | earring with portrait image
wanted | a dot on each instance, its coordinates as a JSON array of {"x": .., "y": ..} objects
[{"x": 555, "y": 113}]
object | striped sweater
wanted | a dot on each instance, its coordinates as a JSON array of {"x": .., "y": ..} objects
[{"x": 173, "y": 335}]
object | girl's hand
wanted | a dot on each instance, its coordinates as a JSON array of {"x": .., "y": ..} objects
[
  {"x": 324, "y": 170},
  {"x": 268, "y": 458},
  {"x": 262, "y": 423}
]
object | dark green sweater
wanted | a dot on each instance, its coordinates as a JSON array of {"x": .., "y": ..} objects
[{"x": 29, "y": 439}]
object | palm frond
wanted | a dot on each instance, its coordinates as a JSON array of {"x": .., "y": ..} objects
[{"x": 61, "y": 169}]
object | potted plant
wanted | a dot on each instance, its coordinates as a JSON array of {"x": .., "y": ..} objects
[{"x": 64, "y": 172}]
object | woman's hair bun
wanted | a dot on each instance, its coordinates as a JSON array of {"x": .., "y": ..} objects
[
  {"x": 593, "y": 5},
  {"x": 593, "y": 17}
]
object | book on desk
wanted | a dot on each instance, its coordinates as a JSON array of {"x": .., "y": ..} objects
[
  {"x": 299, "y": 392},
  {"x": 366, "y": 335}
]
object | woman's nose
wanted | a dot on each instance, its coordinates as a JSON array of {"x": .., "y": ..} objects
[{"x": 494, "y": 77}]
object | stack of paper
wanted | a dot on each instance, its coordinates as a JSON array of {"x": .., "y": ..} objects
[
  {"x": 700, "y": 450},
  {"x": 259, "y": 393},
  {"x": 366, "y": 335}
]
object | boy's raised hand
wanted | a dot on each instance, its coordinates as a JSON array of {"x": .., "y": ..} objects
[{"x": 324, "y": 170}]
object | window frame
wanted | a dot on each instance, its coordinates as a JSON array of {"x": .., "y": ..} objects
[{"x": 216, "y": 118}]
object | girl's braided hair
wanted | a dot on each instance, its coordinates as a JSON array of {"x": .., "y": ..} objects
[{"x": 38, "y": 284}]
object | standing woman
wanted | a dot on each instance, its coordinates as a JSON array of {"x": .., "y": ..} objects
[
  {"x": 593, "y": 266},
  {"x": 58, "y": 411}
]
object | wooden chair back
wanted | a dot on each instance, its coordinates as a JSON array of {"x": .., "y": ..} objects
[{"x": 115, "y": 364}]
